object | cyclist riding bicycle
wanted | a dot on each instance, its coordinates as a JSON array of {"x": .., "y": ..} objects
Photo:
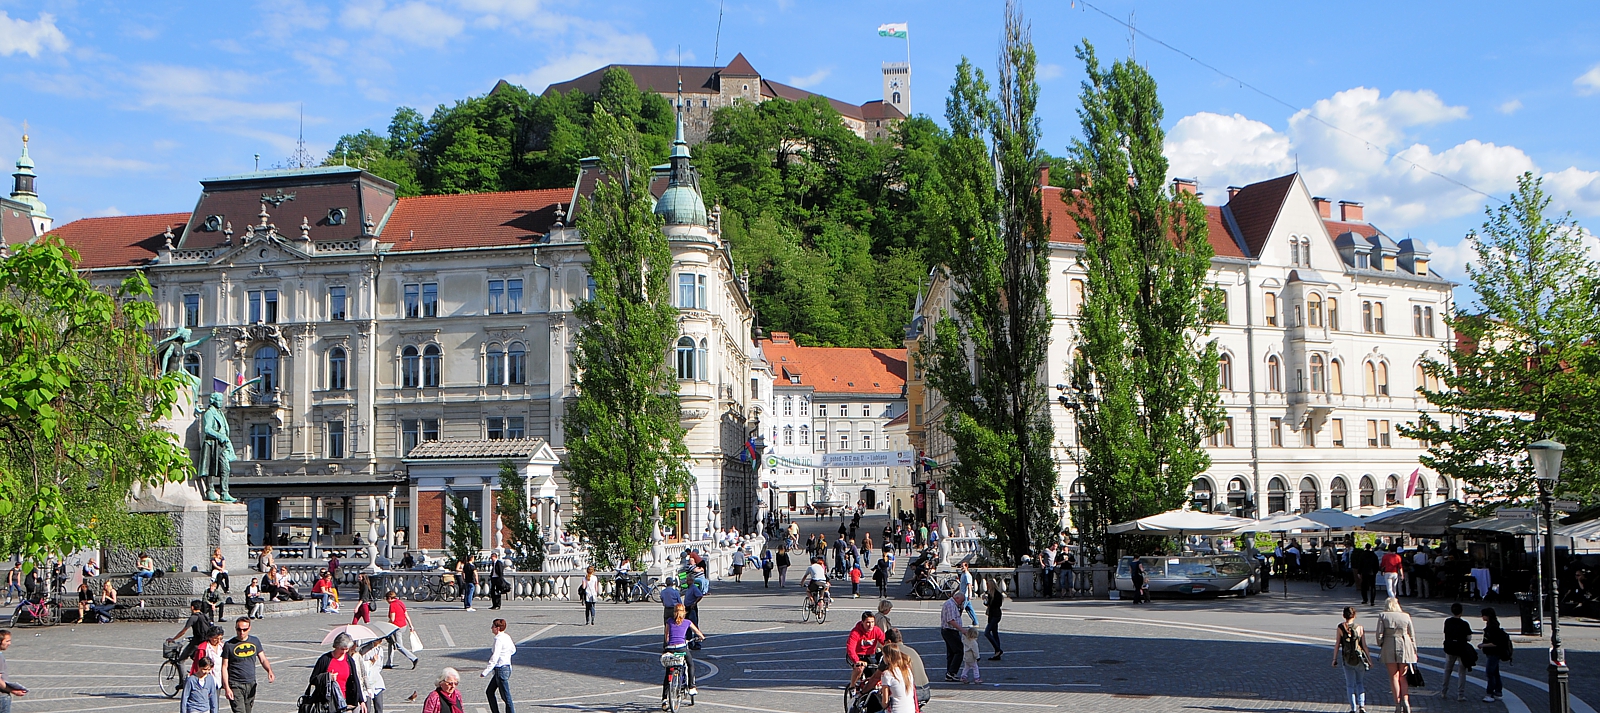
[
  {"x": 676, "y": 641},
  {"x": 866, "y": 642},
  {"x": 816, "y": 580}
]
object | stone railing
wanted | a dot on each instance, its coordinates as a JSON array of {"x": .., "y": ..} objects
[
  {"x": 987, "y": 578},
  {"x": 956, "y": 550},
  {"x": 561, "y": 586},
  {"x": 575, "y": 561}
]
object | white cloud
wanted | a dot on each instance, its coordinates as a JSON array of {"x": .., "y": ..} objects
[
  {"x": 1049, "y": 71},
  {"x": 109, "y": 211},
  {"x": 1574, "y": 189},
  {"x": 202, "y": 94},
  {"x": 812, "y": 79},
  {"x": 30, "y": 38},
  {"x": 414, "y": 22},
  {"x": 1588, "y": 82},
  {"x": 1510, "y": 107},
  {"x": 1212, "y": 146}
]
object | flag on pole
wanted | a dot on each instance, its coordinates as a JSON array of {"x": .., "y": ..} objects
[
  {"x": 1411, "y": 484},
  {"x": 218, "y": 385},
  {"x": 749, "y": 450},
  {"x": 896, "y": 30}
]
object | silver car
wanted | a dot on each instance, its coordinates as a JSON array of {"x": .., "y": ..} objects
[{"x": 1191, "y": 574}]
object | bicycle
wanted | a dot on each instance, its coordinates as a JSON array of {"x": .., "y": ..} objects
[
  {"x": 858, "y": 696},
  {"x": 1329, "y": 580},
  {"x": 171, "y": 673},
  {"x": 42, "y": 611},
  {"x": 936, "y": 587},
  {"x": 816, "y": 606},
  {"x": 638, "y": 589},
  {"x": 676, "y": 664},
  {"x": 439, "y": 590}
]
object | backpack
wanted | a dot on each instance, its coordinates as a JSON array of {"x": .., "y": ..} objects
[{"x": 1350, "y": 650}]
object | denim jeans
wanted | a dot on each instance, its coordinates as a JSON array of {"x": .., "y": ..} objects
[
  {"x": 1355, "y": 685},
  {"x": 500, "y": 680},
  {"x": 1491, "y": 671},
  {"x": 326, "y": 599},
  {"x": 992, "y": 633},
  {"x": 467, "y": 593},
  {"x": 139, "y": 578}
]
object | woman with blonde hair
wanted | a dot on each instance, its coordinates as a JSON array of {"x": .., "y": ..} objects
[
  {"x": 676, "y": 640},
  {"x": 1397, "y": 642},
  {"x": 899, "y": 692},
  {"x": 590, "y": 591}
]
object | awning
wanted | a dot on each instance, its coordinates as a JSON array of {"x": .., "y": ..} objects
[
  {"x": 1504, "y": 526},
  {"x": 1431, "y": 521},
  {"x": 1284, "y": 523},
  {"x": 1336, "y": 519},
  {"x": 1181, "y": 522}
]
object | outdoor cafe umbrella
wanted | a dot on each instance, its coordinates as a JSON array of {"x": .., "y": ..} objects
[
  {"x": 1431, "y": 521},
  {"x": 1283, "y": 523},
  {"x": 1502, "y": 525},
  {"x": 1335, "y": 519},
  {"x": 1181, "y": 522},
  {"x": 1589, "y": 530}
]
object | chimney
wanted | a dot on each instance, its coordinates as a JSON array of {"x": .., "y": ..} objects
[
  {"x": 1324, "y": 207},
  {"x": 1233, "y": 191},
  {"x": 1350, "y": 211},
  {"x": 1187, "y": 185},
  {"x": 1044, "y": 175}
]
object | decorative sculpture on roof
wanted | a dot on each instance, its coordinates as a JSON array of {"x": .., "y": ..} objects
[{"x": 170, "y": 351}]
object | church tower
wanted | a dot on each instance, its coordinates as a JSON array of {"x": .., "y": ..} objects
[
  {"x": 897, "y": 86},
  {"x": 23, "y": 191}
]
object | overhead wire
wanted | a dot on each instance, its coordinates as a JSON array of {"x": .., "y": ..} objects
[{"x": 1308, "y": 113}]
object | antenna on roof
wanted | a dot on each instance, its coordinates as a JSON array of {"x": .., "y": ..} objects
[{"x": 716, "y": 49}]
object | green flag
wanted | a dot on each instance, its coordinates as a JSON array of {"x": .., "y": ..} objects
[{"x": 892, "y": 29}]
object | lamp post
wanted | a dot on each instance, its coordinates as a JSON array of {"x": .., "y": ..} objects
[{"x": 1546, "y": 457}]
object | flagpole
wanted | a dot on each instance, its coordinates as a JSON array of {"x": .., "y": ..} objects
[{"x": 908, "y": 70}]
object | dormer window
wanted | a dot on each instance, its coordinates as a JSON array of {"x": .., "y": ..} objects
[{"x": 1363, "y": 261}]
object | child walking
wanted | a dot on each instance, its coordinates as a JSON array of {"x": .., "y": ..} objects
[
  {"x": 969, "y": 656},
  {"x": 200, "y": 690},
  {"x": 855, "y": 581}
]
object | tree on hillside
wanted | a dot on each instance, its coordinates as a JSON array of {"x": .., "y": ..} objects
[
  {"x": 78, "y": 398},
  {"x": 987, "y": 360},
  {"x": 625, "y": 451},
  {"x": 525, "y": 547},
  {"x": 1145, "y": 373},
  {"x": 1526, "y": 366}
]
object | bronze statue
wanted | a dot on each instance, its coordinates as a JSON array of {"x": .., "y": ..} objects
[
  {"x": 216, "y": 450},
  {"x": 170, "y": 351}
]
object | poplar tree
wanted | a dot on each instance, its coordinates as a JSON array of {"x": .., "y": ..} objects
[
  {"x": 1525, "y": 365},
  {"x": 625, "y": 451},
  {"x": 1145, "y": 375},
  {"x": 996, "y": 249}
]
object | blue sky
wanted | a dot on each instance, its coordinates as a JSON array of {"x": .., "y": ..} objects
[{"x": 130, "y": 104}]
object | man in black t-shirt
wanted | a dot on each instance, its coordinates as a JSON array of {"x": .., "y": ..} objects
[
  {"x": 469, "y": 583},
  {"x": 197, "y": 624},
  {"x": 239, "y": 657}
]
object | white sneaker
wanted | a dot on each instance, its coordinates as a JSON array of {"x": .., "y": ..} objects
[
  {"x": 694, "y": 691},
  {"x": 1488, "y": 699},
  {"x": 471, "y": 609}
]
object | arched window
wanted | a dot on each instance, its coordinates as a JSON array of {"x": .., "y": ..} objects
[
  {"x": 1314, "y": 309},
  {"x": 517, "y": 364},
  {"x": 338, "y": 365},
  {"x": 1200, "y": 494},
  {"x": 1336, "y": 377},
  {"x": 805, "y": 406},
  {"x": 494, "y": 366},
  {"x": 788, "y": 435},
  {"x": 1383, "y": 379},
  {"x": 701, "y": 363},
  {"x": 266, "y": 362},
  {"x": 685, "y": 359},
  {"x": 1305, "y": 252},
  {"x": 1277, "y": 496},
  {"x": 1339, "y": 494},
  {"x": 1319, "y": 380},
  {"x": 1444, "y": 489},
  {"x": 1366, "y": 491},
  {"x": 1309, "y": 498},
  {"x": 1225, "y": 372},
  {"x": 1422, "y": 491},
  {"x": 410, "y": 368},
  {"x": 432, "y": 364},
  {"x": 1391, "y": 490},
  {"x": 788, "y": 405},
  {"x": 1372, "y": 379},
  {"x": 1274, "y": 374},
  {"x": 1333, "y": 313},
  {"x": 805, "y": 435},
  {"x": 191, "y": 363},
  {"x": 1422, "y": 377},
  {"x": 1294, "y": 251},
  {"x": 1239, "y": 504},
  {"x": 896, "y": 98}
]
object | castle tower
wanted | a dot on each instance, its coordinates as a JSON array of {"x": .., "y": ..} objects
[
  {"x": 897, "y": 86},
  {"x": 23, "y": 191}
]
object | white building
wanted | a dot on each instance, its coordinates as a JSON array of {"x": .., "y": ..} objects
[
  {"x": 829, "y": 400},
  {"x": 387, "y": 323},
  {"x": 1328, "y": 320}
]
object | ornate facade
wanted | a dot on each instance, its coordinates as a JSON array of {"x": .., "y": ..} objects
[
  {"x": 374, "y": 324},
  {"x": 1327, "y": 322}
]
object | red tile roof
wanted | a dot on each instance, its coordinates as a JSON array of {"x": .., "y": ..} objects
[
  {"x": 1064, "y": 229},
  {"x": 119, "y": 241},
  {"x": 740, "y": 67},
  {"x": 1337, "y": 228},
  {"x": 473, "y": 219},
  {"x": 1255, "y": 209},
  {"x": 840, "y": 370}
]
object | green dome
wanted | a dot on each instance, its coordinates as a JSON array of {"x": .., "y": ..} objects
[{"x": 681, "y": 205}]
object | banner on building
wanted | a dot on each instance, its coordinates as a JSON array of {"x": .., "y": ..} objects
[{"x": 861, "y": 459}]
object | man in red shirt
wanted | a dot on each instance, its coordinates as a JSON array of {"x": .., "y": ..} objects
[
  {"x": 865, "y": 640},
  {"x": 397, "y": 617},
  {"x": 1391, "y": 571}
]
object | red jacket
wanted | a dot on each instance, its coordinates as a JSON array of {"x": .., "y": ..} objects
[
  {"x": 863, "y": 643},
  {"x": 1390, "y": 563}
]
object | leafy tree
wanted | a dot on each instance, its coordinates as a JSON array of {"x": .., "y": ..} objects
[
  {"x": 996, "y": 250},
  {"x": 526, "y": 546},
  {"x": 1527, "y": 365},
  {"x": 1146, "y": 377},
  {"x": 624, "y": 441},
  {"x": 77, "y": 397},
  {"x": 375, "y": 153},
  {"x": 466, "y": 534}
]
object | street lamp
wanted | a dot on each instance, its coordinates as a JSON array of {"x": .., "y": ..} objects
[{"x": 1546, "y": 457}]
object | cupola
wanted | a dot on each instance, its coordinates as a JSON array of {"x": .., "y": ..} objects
[{"x": 681, "y": 203}]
